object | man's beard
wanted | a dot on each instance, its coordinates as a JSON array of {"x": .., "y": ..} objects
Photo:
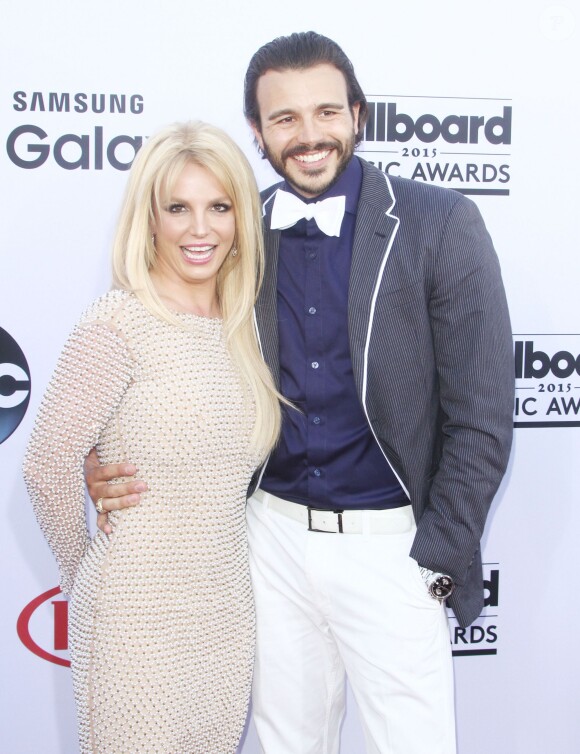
[{"x": 344, "y": 153}]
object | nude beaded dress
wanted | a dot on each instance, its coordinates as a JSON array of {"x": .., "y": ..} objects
[{"x": 161, "y": 622}]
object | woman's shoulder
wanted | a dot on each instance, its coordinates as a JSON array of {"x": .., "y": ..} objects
[{"x": 110, "y": 308}]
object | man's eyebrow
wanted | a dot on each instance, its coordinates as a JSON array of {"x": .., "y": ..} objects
[
  {"x": 288, "y": 111},
  {"x": 279, "y": 113},
  {"x": 331, "y": 106}
]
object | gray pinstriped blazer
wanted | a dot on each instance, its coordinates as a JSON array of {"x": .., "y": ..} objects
[{"x": 432, "y": 354}]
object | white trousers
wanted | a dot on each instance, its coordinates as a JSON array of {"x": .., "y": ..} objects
[{"x": 334, "y": 604}]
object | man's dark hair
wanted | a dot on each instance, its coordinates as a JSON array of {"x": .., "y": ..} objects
[{"x": 296, "y": 52}]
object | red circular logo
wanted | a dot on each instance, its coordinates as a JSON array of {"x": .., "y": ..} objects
[{"x": 46, "y": 618}]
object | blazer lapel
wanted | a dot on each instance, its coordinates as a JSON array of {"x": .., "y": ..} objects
[
  {"x": 375, "y": 231},
  {"x": 266, "y": 305}
]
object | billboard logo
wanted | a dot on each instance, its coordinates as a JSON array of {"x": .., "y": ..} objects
[
  {"x": 43, "y": 627},
  {"x": 460, "y": 143},
  {"x": 482, "y": 636},
  {"x": 14, "y": 385},
  {"x": 454, "y": 129},
  {"x": 547, "y": 371}
]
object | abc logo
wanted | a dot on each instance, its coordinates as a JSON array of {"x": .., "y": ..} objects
[{"x": 14, "y": 385}]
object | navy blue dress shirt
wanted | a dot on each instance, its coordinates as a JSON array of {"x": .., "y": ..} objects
[{"x": 327, "y": 456}]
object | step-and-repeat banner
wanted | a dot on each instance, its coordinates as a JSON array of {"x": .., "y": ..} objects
[{"x": 481, "y": 98}]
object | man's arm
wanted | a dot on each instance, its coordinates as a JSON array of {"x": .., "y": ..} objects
[
  {"x": 474, "y": 359},
  {"x": 113, "y": 496}
]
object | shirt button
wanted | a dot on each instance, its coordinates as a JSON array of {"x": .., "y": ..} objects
[
  {"x": 312, "y": 310},
  {"x": 311, "y": 255},
  {"x": 316, "y": 420},
  {"x": 315, "y": 365},
  {"x": 317, "y": 472}
]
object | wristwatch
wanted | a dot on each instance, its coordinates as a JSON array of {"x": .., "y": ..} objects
[{"x": 439, "y": 585}]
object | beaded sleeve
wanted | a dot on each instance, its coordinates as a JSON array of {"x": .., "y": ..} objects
[{"x": 90, "y": 379}]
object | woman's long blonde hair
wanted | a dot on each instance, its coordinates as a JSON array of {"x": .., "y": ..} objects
[{"x": 153, "y": 175}]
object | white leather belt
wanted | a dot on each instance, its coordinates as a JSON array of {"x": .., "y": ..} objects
[{"x": 387, "y": 521}]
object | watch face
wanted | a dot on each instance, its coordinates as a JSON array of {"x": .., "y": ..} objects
[{"x": 442, "y": 587}]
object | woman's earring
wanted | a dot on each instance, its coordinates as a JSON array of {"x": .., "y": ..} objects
[{"x": 234, "y": 251}]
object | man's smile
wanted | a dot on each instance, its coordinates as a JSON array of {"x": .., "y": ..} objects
[{"x": 312, "y": 156}]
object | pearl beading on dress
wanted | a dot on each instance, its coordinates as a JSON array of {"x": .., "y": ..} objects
[{"x": 161, "y": 624}]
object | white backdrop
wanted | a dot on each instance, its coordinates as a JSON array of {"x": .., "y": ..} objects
[{"x": 517, "y": 669}]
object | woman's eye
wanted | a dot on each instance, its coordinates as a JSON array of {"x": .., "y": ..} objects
[
  {"x": 175, "y": 208},
  {"x": 222, "y": 207}
]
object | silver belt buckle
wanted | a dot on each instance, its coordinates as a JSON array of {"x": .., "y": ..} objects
[{"x": 327, "y": 522}]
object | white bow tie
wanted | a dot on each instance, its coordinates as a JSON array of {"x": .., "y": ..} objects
[{"x": 288, "y": 209}]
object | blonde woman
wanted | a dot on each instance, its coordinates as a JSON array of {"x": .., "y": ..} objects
[{"x": 164, "y": 371}]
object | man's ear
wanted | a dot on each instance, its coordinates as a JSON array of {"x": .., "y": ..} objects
[
  {"x": 257, "y": 133},
  {"x": 355, "y": 114}
]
